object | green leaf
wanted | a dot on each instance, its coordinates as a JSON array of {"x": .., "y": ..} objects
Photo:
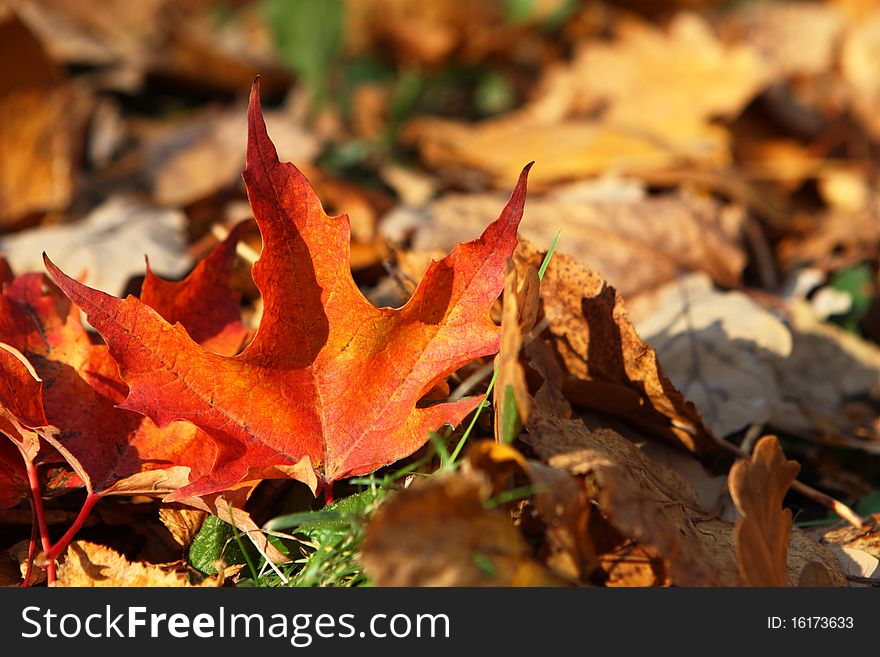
[
  {"x": 328, "y": 524},
  {"x": 510, "y": 422},
  {"x": 858, "y": 283},
  {"x": 215, "y": 541}
]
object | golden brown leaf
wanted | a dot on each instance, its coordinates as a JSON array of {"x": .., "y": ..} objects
[
  {"x": 439, "y": 534},
  {"x": 90, "y": 565},
  {"x": 607, "y": 367},
  {"x": 41, "y": 118},
  {"x": 183, "y": 524},
  {"x": 637, "y": 242},
  {"x": 762, "y": 533},
  {"x": 511, "y": 394},
  {"x": 559, "y": 500}
]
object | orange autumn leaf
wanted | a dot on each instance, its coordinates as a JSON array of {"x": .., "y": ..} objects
[{"x": 330, "y": 385}]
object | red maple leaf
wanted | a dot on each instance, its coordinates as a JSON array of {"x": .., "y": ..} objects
[{"x": 330, "y": 386}]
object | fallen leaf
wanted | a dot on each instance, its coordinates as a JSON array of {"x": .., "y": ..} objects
[
  {"x": 183, "y": 524},
  {"x": 716, "y": 348},
  {"x": 567, "y": 149},
  {"x": 88, "y": 565},
  {"x": 204, "y": 301},
  {"x": 651, "y": 69},
  {"x": 656, "y": 507},
  {"x": 42, "y": 120},
  {"x": 762, "y": 532},
  {"x": 675, "y": 73},
  {"x": 793, "y": 38},
  {"x": 828, "y": 367},
  {"x": 108, "y": 244},
  {"x": 865, "y": 540},
  {"x": 558, "y": 500},
  {"x": 438, "y": 533},
  {"x": 645, "y": 500},
  {"x": 510, "y": 394},
  {"x": 317, "y": 331},
  {"x": 636, "y": 242},
  {"x": 607, "y": 367},
  {"x": 195, "y": 161}
]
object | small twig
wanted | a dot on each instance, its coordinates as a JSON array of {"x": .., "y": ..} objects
[
  {"x": 870, "y": 581},
  {"x": 819, "y": 497}
]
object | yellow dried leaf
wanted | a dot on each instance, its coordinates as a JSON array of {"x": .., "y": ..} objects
[{"x": 86, "y": 564}]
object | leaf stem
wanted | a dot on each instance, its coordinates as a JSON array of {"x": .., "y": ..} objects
[
  {"x": 32, "y": 550},
  {"x": 52, "y": 553},
  {"x": 39, "y": 513}
]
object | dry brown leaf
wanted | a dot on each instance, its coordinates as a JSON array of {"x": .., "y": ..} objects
[
  {"x": 655, "y": 507},
  {"x": 172, "y": 40},
  {"x": 643, "y": 499},
  {"x": 858, "y": 63},
  {"x": 758, "y": 487},
  {"x": 563, "y": 150},
  {"x": 636, "y": 242},
  {"x": 606, "y": 366},
  {"x": 866, "y": 539},
  {"x": 438, "y": 533},
  {"x": 109, "y": 244},
  {"x": 429, "y": 33},
  {"x": 559, "y": 500},
  {"x": 827, "y": 368},
  {"x": 511, "y": 394},
  {"x": 793, "y": 38},
  {"x": 86, "y": 564},
  {"x": 41, "y": 126},
  {"x": 183, "y": 524},
  {"x": 662, "y": 79},
  {"x": 716, "y": 347},
  {"x": 197, "y": 160},
  {"x": 833, "y": 240}
]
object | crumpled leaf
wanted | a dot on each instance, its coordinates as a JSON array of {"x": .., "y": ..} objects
[
  {"x": 329, "y": 385},
  {"x": 90, "y": 565},
  {"x": 108, "y": 244},
  {"x": 741, "y": 364},
  {"x": 607, "y": 367},
  {"x": 438, "y": 533},
  {"x": 758, "y": 487},
  {"x": 715, "y": 348}
]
